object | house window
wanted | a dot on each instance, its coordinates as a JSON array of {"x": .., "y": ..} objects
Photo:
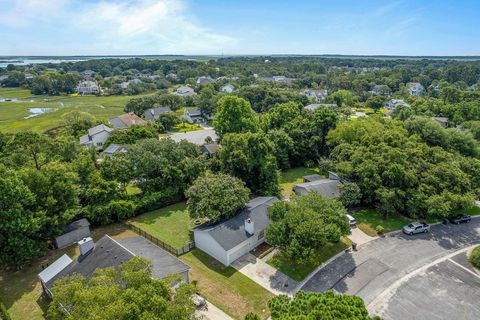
[
  {"x": 260, "y": 235},
  {"x": 99, "y": 144}
]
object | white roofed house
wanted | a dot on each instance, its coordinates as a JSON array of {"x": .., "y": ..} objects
[
  {"x": 96, "y": 137},
  {"x": 227, "y": 88},
  {"x": 230, "y": 239},
  {"x": 415, "y": 89},
  {"x": 88, "y": 87},
  {"x": 184, "y": 91}
]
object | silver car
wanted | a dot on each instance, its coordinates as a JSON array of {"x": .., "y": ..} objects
[{"x": 416, "y": 227}]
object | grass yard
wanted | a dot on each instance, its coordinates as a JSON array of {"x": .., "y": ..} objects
[
  {"x": 299, "y": 271},
  {"x": 185, "y": 127},
  {"x": 12, "y": 113},
  {"x": 17, "y": 93},
  {"x": 171, "y": 224},
  {"x": 21, "y": 292},
  {"x": 369, "y": 219},
  {"x": 289, "y": 178},
  {"x": 225, "y": 287}
]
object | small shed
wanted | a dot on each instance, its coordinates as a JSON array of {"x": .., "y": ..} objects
[{"x": 73, "y": 232}]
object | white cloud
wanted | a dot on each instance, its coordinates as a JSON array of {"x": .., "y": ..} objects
[{"x": 114, "y": 27}]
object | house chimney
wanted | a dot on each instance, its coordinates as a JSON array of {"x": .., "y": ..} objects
[
  {"x": 249, "y": 226},
  {"x": 85, "y": 245}
]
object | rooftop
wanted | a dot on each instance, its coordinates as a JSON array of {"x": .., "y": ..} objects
[{"x": 230, "y": 233}]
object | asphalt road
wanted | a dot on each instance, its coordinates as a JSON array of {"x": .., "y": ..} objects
[{"x": 400, "y": 277}]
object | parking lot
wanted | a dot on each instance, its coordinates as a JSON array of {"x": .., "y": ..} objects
[{"x": 424, "y": 276}]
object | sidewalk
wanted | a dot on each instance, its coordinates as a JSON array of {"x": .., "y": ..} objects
[
  {"x": 359, "y": 237},
  {"x": 213, "y": 313}
]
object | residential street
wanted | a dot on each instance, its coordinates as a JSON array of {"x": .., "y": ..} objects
[{"x": 423, "y": 276}]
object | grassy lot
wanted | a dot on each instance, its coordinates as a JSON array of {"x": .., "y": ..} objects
[
  {"x": 21, "y": 291},
  {"x": 299, "y": 271},
  {"x": 171, "y": 224},
  {"x": 15, "y": 93},
  {"x": 12, "y": 113},
  {"x": 185, "y": 127},
  {"x": 225, "y": 287},
  {"x": 293, "y": 176},
  {"x": 369, "y": 219}
]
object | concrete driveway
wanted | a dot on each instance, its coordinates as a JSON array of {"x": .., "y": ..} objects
[
  {"x": 265, "y": 275},
  {"x": 412, "y": 277}
]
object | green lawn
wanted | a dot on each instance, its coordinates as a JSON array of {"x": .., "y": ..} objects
[
  {"x": 12, "y": 113},
  {"x": 369, "y": 219},
  {"x": 289, "y": 178},
  {"x": 171, "y": 224},
  {"x": 185, "y": 127},
  {"x": 15, "y": 93},
  {"x": 21, "y": 292},
  {"x": 225, "y": 287},
  {"x": 299, "y": 271}
]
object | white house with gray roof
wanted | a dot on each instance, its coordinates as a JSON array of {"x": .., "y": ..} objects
[
  {"x": 96, "y": 137},
  {"x": 415, "y": 88},
  {"x": 230, "y": 239},
  {"x": 184, "y": 91}
]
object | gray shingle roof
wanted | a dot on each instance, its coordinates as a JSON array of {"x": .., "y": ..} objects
[
  {"x": 230, "y": 233},
  {"x": 97, "y": 129},
  {"x": 114, "y": 147},
  {"x": 77, "y": 225},
  {"x": 324, "y": 187},
  {"x": 163, "y": 263},
  {"x": 106, "y": 253}
]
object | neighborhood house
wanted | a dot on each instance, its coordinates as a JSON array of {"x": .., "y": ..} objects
[
  {"x": 88, "y": 87},
  {"x": 228, "y": 240},
  {"x": 96, "y": 137},
  {"x": 328, "y": 188},
  {"x": 107, "y": 253},
  {"x": 127, "y": 120},
  {"x": 73, "y": 232},
  {"x": 184, "y": 91},
  {"x": 154, "y": 113}
]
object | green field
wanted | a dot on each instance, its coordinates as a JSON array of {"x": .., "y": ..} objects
[
  {"x": 12, "y": 113},
  {"x": 369, "y": 219},
  {"x": 298, "y": 271},
  {"x": 289, "y": 178},
  {"x": 225, "y": 287},
  {"x": 171, "y": 224}
]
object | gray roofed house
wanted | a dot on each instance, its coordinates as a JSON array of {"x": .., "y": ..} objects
[
  {"x": 393, "y": 103},
  {"x": 107, "y": 253},
  {"x": 73, "y": 232},
  {"x": 328, "y": 187},
  {"x": 154, "y": 113},
  {"x": 163, "y": 263},
  {"x": 230, "y": 239},
  {"x": 96, "y": 136},
  {"x": 194, "y": 116},
  {"x": 315, "y": 106},
  {"x": 204, "y": 80},
  {"x": 114, "y": 148},
  {"x": 441, "y": 120},
  {"x": 210, "y": 148},
  {"x": 196, "y": 137},
  {"x": 312, "y": 177}
]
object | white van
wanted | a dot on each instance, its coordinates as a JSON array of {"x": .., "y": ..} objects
[{"x": 351, "y": 221}]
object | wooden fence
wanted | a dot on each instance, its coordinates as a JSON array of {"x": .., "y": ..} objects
[{"x": 176, "y": 251}]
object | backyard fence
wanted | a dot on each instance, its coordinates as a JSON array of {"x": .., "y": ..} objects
[{"x": 176, "y": 251}]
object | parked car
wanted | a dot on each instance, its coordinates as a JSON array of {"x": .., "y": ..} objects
[
  {"x": 461, "y": 218},
  {"x": 416, "y": 227},
  {"x": 351, "y": 221}
]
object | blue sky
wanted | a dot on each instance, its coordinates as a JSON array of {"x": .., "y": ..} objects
[{"x": 87, "y": 27}]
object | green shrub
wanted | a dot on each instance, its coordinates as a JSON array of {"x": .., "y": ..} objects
[
  {"x": 475, "y": 257},
  {"x": 379, "y": 229},
  {"x": 156, "y": 200}
]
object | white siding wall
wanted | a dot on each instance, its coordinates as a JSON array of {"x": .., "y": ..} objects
[
  {"x": 204, "y": 242},
  {"x": 100, "y": 138},
  {"x": 244, "y": 247}
]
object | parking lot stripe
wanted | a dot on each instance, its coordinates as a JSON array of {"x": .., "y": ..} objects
[{"x": 466, "y": 269}]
